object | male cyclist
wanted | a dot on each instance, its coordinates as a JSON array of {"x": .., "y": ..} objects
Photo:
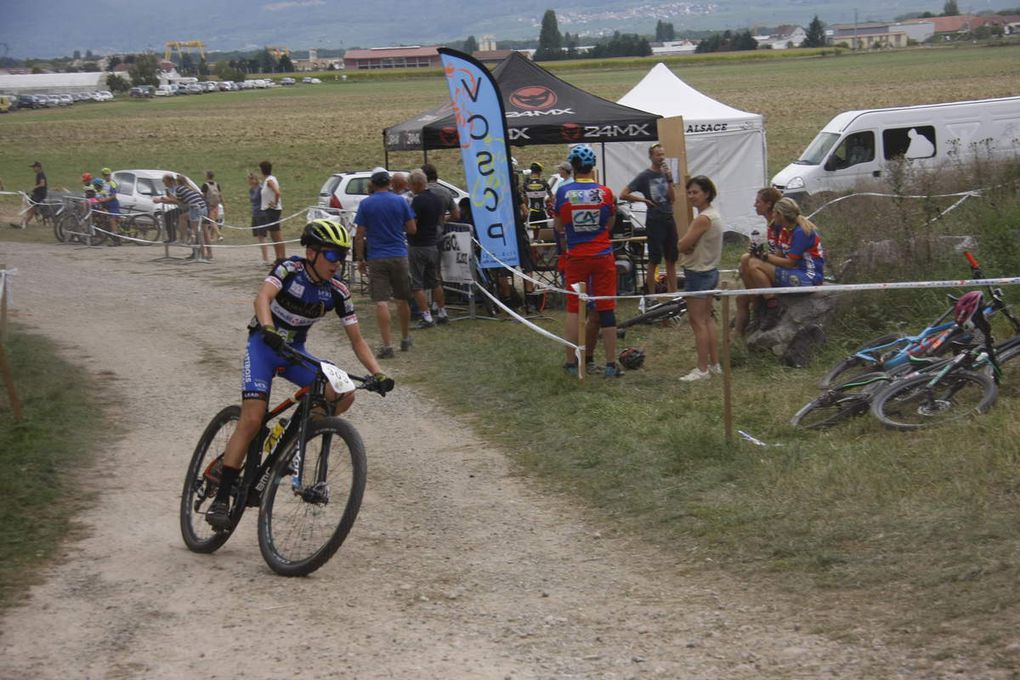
[{"x": 297, "y": 292}]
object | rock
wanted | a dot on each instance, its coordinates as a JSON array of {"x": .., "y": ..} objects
[{"x": 800, "y": 332}]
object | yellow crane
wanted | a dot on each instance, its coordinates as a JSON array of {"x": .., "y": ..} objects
[{"x": 179, "y": 46}]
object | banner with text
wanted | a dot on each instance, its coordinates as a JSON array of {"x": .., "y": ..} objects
[{"x": 485, "y": 151}]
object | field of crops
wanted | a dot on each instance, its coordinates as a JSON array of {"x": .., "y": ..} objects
[{"x": 311, "y": 131}]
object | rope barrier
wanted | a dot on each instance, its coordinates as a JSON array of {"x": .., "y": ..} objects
[{"x": 974, "y": 193}]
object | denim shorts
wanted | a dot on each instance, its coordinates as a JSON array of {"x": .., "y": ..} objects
[
  {"x": 695, "y": 282},
  {"x": 196, "y": 215}
]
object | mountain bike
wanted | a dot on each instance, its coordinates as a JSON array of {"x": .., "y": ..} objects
[
  {"x": 962, "y": 386},
  {"x": 853, "y": 398},
  {"x": 669, "y": 311},
  {"x": 890, "y": 351},
  {"x": 141, "y": 229},
  {"x": 307, "y": 480}
]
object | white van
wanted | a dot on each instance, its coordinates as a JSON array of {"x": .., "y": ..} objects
[{"x": 855, "y": 148}]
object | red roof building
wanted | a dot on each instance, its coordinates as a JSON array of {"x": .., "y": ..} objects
[{"x": 392, "y": 57}]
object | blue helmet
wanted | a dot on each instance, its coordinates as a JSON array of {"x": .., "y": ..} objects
[
  {"x": 581, "y": 156},
  {"x": 97, "y": 182}
]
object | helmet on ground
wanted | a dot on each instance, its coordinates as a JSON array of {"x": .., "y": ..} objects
[
  {"x": 966, "y": 308},
  {"x": 97, "y": 182},
  {"x": 86, "y": 177},
  {"x": 325, "y": 233},
  {"x": 632, "y": 358},
  {"x": 581, "y": 156}
]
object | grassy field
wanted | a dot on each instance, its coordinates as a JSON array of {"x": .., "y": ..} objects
[{"x": 917, "y": 531}]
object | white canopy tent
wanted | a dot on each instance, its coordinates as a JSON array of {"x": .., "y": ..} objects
[{"x": 723, "y": 143}]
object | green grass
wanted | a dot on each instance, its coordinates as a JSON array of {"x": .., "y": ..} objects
[
  {"x": 42, "y": 456},
  {"x": 922, "y": 524}
]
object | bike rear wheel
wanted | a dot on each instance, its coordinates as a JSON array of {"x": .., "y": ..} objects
[
  {"x": 671, "y": 310},
  {"x": 200, "y": 483},
  {"x": 853, "y": 365},
  {"x": 301, "y": 528},
  {"x": 848, "y": 400},
  {"x": 59, "y": 224},
  {"x": 914, "y": 403},
  {"x": 146, "y": 228}
]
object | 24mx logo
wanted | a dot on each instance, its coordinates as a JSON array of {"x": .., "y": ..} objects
[{"x": 632, "y": 130}]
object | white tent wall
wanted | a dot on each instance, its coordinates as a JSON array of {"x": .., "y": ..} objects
[{"x": 723, "y": 143}]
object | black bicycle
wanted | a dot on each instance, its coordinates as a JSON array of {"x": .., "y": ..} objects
[
  {"x": 663, "y": 312},
  {"x": 960, "y": 387},
  {"x": 307, "y": 481}
]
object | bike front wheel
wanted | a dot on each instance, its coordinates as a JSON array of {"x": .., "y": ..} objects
[
  {"x": 840, "y": 403},
  {"x": 302, "y": 524},
  {"x": 917, "y": 402},
  {"x": 202, "y": 481}
]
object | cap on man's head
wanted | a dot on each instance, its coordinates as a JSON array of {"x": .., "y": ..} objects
[
  {"x": 36, "y": 164},
  {"x": 105, "y": 171},
  {"x": 380, "y": 178},
  {"x": 565, "y": 167}
]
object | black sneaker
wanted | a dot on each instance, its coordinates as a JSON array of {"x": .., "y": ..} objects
[
  {"x": 218, "y": 514},
  {"x": 771, "y": 318},
  {"x": 423, "y": 324}
]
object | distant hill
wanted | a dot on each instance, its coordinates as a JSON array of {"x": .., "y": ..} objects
[{"x": 50, "y": 28}]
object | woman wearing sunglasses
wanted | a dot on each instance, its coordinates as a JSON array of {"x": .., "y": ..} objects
[{"x": 298, "y": 292}]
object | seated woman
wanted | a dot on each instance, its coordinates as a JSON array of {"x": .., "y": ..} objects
[
  {"x": 798, "y": 261},
  {"x": 764, "y": 202}
]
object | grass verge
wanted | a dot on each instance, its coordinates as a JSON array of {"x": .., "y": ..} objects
[{"x": 43, "y": 455}]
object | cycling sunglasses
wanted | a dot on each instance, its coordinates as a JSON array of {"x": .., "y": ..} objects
[{"x": 333, "y": 255}]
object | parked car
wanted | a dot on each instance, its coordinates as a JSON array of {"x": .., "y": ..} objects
[
  {"x": 103, "y": 96},
  {"x": 142, "y": 91},
  {"x": 29, "y": 101},
  {"x": 137, "y": 188},
  {"x": 345, "y": 190},
  {"x": 287, "y": 81},
  {"x": 7, "y": 103},
  {"x": 193, "y": 88}
]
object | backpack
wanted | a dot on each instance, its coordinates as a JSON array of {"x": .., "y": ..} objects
[{"x": 212, "y": 194}]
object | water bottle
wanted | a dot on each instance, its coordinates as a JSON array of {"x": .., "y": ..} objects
[
  {"x": 757, "y": 244},
  {"x": 274, "y": 435}
]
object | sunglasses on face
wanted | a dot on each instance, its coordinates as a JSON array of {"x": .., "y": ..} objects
[{"x": 333, "y": 255}]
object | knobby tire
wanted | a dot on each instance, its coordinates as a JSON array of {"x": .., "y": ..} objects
[
  {"x": 299, "y": 531},
  {"x": 909, "y": 404},
  {"x": 198, "y": 492}
]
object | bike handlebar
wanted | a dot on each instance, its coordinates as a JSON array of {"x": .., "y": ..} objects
[{"x": 371, "y": 383}]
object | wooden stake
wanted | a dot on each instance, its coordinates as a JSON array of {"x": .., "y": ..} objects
[
  {"x": 582, "y": 323},
  {"x": 3, "y": 306},
  {"x": 8, "y": 376},
  {"x": 727, "y": 392}
]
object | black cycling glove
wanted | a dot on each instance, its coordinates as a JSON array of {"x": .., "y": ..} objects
[{"x": 272, "y": 337}]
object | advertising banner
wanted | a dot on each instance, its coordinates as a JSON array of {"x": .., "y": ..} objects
[{"x": 485, "y": 151}]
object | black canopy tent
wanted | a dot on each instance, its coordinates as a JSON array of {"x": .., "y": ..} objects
[{"x": 540, "y": 109}]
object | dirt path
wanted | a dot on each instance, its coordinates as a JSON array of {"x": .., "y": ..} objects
[{"x": 455, "y": 568}]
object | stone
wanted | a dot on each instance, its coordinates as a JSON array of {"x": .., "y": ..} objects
[{"x": 800, "y": 332}]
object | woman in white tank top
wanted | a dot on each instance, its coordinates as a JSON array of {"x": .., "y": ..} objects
[{"x": 701, "y": 249}]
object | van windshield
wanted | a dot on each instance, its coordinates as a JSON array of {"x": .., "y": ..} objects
[{"x": 818, "y": 149}]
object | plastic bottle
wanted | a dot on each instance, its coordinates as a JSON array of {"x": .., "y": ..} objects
[
  {"x": 274, "y": 434},
  {"x": 756, "y": 240}
]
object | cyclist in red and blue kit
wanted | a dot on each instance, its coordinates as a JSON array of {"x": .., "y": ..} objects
[
  {"x": 297, "y": 293},
  {"x": 584, "y": 213}
]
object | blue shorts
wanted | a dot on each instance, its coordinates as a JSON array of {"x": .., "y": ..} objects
[
  {"x": 261, "y": 364},
  {"x": 196, "y": 214},
  {"x": 695, "y": 282},
  {"x": 794, "y": 278}
]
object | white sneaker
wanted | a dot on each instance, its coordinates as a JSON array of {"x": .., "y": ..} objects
[
  {"x": 715, "y": 368},
  {"x": 696, "y": 374}
]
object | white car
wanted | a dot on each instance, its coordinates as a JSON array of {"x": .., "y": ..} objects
[
  {"x": 137, "y": 188},
  {"x": 345, "y": 190},
  {"x": 103, "y": 96}
]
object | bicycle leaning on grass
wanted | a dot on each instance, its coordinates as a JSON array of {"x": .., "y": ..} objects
[
  {"x": 896, "y": 350},
  {"x": 306, "y": 475},
  {"x": 957, "y": 388}
]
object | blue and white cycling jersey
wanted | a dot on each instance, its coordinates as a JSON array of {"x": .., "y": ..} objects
[{"x": 299, "y": 304}]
